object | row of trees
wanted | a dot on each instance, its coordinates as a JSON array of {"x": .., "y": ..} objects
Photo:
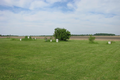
[
  {"x": 97, "y": 34},
  {"x": 104, "y": 34}
]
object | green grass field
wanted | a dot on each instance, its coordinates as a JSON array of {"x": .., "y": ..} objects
[{"x": 72, "y": 60}]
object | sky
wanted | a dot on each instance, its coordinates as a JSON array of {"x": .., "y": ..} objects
[{"x": 41, "y": 17}]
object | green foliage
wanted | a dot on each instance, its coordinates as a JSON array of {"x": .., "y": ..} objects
[
  {"x": 14, "y": 39},
  {"x": 46, "y": 39},
  {"x": 61, "y": 34},
  {"x": 91, "y": 39},
  {"x": 111, "y": 42},
  {"x": 104, "y": 34},
  {"x": 28, "y": 39},
  {"x": 51, "y": 37},
  {"x": 80, "y": 34}
]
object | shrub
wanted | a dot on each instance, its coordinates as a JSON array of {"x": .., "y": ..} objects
[
  {"x": 26, "y": 39},
  {"x": 45, "y": 39},
  {"x": 91, "y": 39},
  {"x": 61, "y": 34},
  {"x": 13, "y": 39},
  {"x": 111, "y": 42},
  {"x": 30, "y": 37},
  {"x": 50, "y": 37}
]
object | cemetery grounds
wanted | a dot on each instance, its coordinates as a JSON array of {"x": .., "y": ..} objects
[{"x": 71, "y": 60}]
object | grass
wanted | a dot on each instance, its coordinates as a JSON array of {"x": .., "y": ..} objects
[{"x": 71, "y": 60}]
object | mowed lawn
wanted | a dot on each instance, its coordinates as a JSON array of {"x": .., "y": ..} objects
[{"x": 72, "y": 60}]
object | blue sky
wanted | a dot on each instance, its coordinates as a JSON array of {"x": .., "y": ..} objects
[{"x": 41, "y": 17}]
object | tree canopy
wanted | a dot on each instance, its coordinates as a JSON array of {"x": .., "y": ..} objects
[{"x": 61, "y": 34}]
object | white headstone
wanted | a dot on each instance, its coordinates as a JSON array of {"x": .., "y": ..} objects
[
  {"x": 51, "y": 40},
  {"x": 56, "y": 40},
  {"x": 35, "y": 38},
  {"x": 20, "y": 39},
  {"x": 109, "y": 42},
  {"x": 28, "y": 37}
]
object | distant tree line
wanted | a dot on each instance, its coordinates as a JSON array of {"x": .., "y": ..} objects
[
  {"x": 81, "y": 34},
  {"x": 97, "y": 34},
  {"x": 8, "y": 35},
  {"x": 104, "y": 34}
]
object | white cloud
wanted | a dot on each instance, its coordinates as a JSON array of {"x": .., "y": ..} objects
[
  {"x": 53, "y": 1},
  {"x": 104, "y": 6},
  {"x": 38, "y": 4},
  {"x": 19, "y": 3},
  {"x": 70, "y": 5},
  {"x": 29, "y": 4},
  {"x": 44, "y": 22}
]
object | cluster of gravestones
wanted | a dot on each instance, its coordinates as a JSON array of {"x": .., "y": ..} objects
[
  {"x": 109, "y": 42},
  {"x": 28, "y": 38},
  {"x": 51, "y": 40}
]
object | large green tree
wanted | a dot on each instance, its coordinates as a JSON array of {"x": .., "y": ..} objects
[{"x": 61, "y": 34}]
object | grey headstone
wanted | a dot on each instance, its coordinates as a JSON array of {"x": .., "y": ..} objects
[
  {"x": 109, "y": 42},
  {"x": 20, "y": 39},
  {"x": 51, "y": 40},
  {"x": 56, "y": 40}
]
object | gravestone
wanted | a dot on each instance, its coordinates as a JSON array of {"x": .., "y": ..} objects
[
  {"x": 20, "y": 39},
  {"x": 35, "y": 38},
  {"x": 56, "y": 40},
  {"x": 109, "y": 42},
  {"x": 50, "y": 40},
  {"x": 28, "y": 37}
]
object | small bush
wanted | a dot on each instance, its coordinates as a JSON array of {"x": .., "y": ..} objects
[
  {"x": 53, "y": 40},
  {"x": 46, "y": 39},
  {"x": 50, "y": 37},
  {"x": 13, "y": 39},
  {"x": 28, "y": 39},
  {"x": 91, "y": 39},
  {"x": 111, "y": 42}
]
